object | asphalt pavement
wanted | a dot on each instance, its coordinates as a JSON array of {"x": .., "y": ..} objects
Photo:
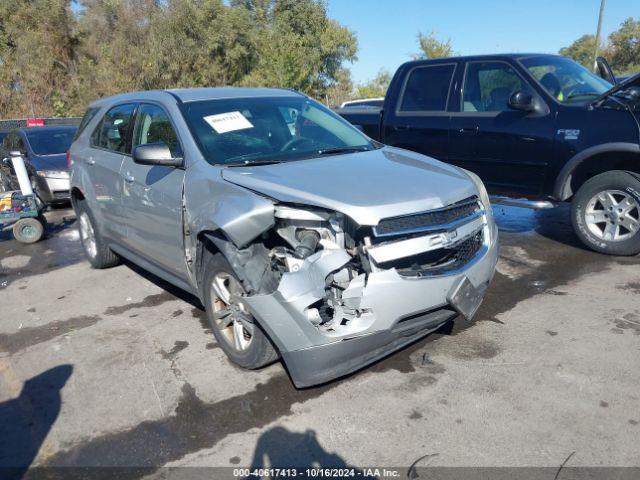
[{"x": 117, "y": 368}]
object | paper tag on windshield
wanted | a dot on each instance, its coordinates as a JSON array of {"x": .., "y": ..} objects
[{"x": 228, "y": 122}]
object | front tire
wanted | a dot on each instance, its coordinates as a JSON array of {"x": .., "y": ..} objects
[
  {"x": 235, "y": 329},
  {"x": 605, "y": 213},
  {"x": 95, "y": 248}
]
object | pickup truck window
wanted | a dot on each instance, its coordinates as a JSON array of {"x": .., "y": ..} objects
[
  {"x": 564, "y": 79},
  {"x": 427, "y": 88},
  {"x": 278, "y": 129},
  {"x": 488, "y": 86}
]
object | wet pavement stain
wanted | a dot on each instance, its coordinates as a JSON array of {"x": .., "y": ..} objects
[
  {"x": 60, "y": 247},
  {"x": 178, "y": 346},
  {"x": 146, "y": 302},
  {"x": 201, "y": 315},
  {"x": 27, "y": 337},
  {"x": 195, "y": 425},
  {"x": 415, "y": 415},
  {"x": 633, "y": 287},
  {"x": 629, "y": 321},
  {"x": 553, "y": 248}
]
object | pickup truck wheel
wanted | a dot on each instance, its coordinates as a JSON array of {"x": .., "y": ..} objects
[
  {"x": 235, "y": 329},
  {"x": 606, "y": 213},
  {"x": 95, "y": 248}
]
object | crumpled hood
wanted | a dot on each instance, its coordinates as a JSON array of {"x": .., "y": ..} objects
[{"x": 366, "y": 186}]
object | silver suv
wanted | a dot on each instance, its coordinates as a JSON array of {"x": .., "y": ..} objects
[{"x": 303, "y": 238}]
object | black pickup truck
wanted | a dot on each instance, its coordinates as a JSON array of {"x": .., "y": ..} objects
[{"x": 541, "y": 127}]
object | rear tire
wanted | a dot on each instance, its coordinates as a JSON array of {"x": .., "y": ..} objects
[
  {"x": 95, "y": 248},
  {"x": 235, "y": 329},
  {"x": 605, "y": 213}
]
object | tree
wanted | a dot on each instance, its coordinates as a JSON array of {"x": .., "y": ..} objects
[
  {"x": 622, "y": 50},
  {"x": 53, "y": 61},
  {"x": 37, "y": 57},
  {"x": 301, "y": 48},
  {"x": 625, "y": 47},
  {"x": 431, "y": 47},
  {"x": 376, "y": 87},
  {"x": 582, "y": 50}
]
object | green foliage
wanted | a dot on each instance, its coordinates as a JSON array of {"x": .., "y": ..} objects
[
  {"x": 37, "y": 56},
  {"x": 376, "y": 87},
  {"x": 582, "y": 50},
  {"x": 431, "y": 47},
  {"x": 625, "y": 46},
  {"x": 622, "y": 49},
  {"x": 55, "y": 62}
]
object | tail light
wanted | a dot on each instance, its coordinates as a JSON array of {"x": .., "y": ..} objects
[{"x": 68, "y": 159}]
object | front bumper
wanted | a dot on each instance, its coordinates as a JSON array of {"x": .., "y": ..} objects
[
  {"x": 398, "y": 310},
  {"x": 53, "y": 190}
]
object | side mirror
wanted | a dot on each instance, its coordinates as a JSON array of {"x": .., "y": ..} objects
[
  {"x": 156, "y": 154},
  {"x": 522, "y": 101}
]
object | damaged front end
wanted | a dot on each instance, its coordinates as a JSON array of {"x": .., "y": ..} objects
[{"x": 334, "y": 295}]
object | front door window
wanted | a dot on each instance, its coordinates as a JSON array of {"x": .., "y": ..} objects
[{"x": 488, "y": 86}]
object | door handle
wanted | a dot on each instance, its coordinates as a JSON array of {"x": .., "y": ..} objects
[
  {"x": 129, "y": 178},
  {"x": 91, "y": 161},
  {"x": 469, "y": 130},
  {"x": 401, "y": 127}
]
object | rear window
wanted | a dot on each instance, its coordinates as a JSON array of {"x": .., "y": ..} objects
[
  {"x": 88, "y": 116},
  {"x": 427, "y": 89},
  {"x": 112, "y": 133},
  {"x": 50, "y": 142}
]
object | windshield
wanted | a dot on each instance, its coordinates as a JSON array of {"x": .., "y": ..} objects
[
  {"x": 269, "y": 129},
  {"x": 50, "y": 142},
  {"x": 564, "y": 79}
]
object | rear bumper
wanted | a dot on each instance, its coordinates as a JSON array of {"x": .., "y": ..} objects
[{"x": 399, "y": 310}]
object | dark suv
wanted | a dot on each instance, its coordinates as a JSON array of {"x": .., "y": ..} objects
[{"x": 530, "y": 125}]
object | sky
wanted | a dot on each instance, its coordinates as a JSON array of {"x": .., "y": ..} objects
[{"x": 387, "y": 29}]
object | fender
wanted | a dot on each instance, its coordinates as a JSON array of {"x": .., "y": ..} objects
[
  {"x": 562, "y": 186},
  {"x": 79, "y": 179}
]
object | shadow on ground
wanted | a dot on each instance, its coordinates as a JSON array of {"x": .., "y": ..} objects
[
  {"x": 281, "y": 448},
  {"x": 26, "y": 420}
]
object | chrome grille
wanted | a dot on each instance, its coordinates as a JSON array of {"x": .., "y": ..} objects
[
  {"x": 432, "y": 220},
  {"x": 442, "y": 261}
]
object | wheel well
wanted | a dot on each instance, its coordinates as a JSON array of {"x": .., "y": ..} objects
[
  {"x": 76, "y": 195},
  {"x": 600, "y": 163},
  {"x": 204, "y": 244}
]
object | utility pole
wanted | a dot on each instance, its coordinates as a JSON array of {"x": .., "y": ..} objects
[{"x": 595, "y": 53}]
